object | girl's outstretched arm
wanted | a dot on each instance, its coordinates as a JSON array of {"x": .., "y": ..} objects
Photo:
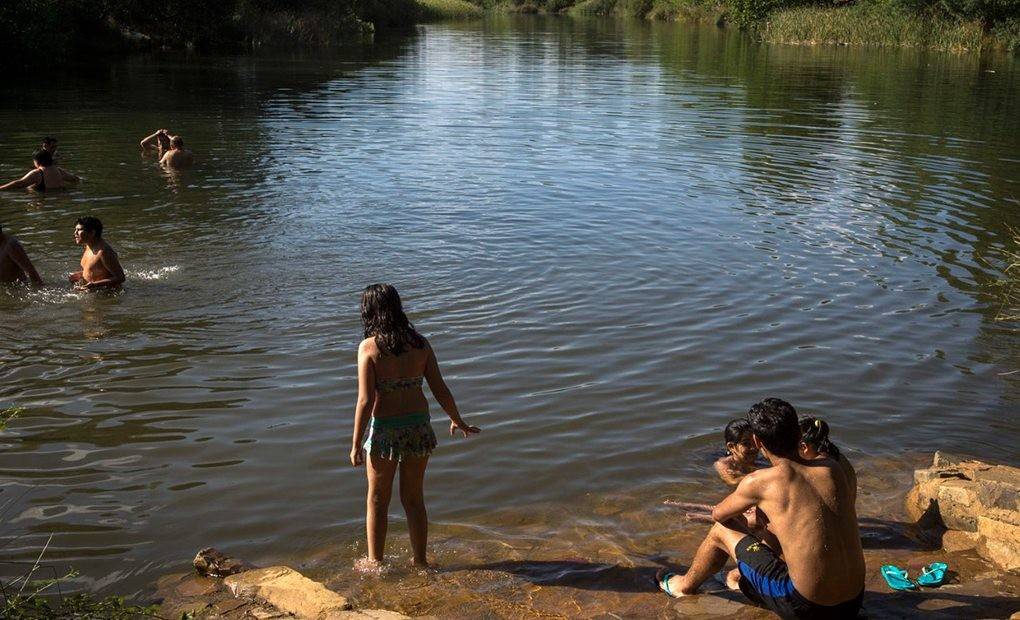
[
  {"x": 442, "y": 393},
  {"x": 366, "y": 403}
]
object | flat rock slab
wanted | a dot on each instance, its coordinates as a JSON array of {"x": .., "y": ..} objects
[{"x": 291, "y": 592}]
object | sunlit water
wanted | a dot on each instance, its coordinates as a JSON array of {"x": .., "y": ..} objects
[{"x": 618, "y": 236}]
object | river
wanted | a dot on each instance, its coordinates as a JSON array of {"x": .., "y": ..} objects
[{"x": 617, "y": 235}]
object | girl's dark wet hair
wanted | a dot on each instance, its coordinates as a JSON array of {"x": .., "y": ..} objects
[
  {"x": 383, "y": 317},
  {"x": 43, "y": 158},
  {"x": 736, "y": 430},
  {"x": 815, "y": 433}
]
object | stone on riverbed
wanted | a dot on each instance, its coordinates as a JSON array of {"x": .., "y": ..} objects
[{"x": 972, "y": 497}]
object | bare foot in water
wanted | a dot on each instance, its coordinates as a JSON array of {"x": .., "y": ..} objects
[
  {"x": 733, "y": 579},
  {"x": 670, "y": 586},
  {"x": 369, "y": 566}
]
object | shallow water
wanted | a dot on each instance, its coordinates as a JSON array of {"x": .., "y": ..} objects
[{"x": 617, "y": 235}]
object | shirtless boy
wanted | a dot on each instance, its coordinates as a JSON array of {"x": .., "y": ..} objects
[
  {"x": 812, "y": 566},
  {"x": 100, "y": 267},
  {"x": 15, "y": 265}
]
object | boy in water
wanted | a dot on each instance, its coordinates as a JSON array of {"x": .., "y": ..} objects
[
  {"x": 15, "y": 265},
  {"x": 813, "y": 520},
  {"x": 100, "y": 267}
]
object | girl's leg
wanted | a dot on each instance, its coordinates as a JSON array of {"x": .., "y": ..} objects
[
  {"x": 412, "y": 496},
  {"x": 380, "y": 486}
]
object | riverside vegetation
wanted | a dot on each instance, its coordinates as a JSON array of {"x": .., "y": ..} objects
[{"x": 33, "y": 30}]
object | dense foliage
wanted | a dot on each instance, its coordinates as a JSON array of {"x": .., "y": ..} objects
[{"x": 31, "y": 30}]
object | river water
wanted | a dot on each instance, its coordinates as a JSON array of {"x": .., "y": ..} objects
[{"x": 617, "y": 235}]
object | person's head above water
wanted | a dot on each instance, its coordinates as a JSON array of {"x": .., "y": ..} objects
[
  {"x": 49, "y": 144},
  {"x": 774, "y": 425},
  {"x": 814, "y": 439},
  {"x": 87, "y": 229},
  {"x": 42, "y": 159},
  {"x": 177, "y": 142},
  {"x": 383, "y": 316},
  {"x": 739, "y": 442}
]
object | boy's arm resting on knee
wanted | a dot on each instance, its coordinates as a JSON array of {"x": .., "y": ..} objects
[{"x": 746, "y": 495}]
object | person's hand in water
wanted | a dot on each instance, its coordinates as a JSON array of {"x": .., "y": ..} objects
[
  {"x": 357, "y": 456},
  {"x": 467, "y": 429}
]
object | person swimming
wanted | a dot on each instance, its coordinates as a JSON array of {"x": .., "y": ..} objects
[
  {"x": 159, "y": 140},
  {"x": 100, "y": 265},
  {"x": 176, "y": 157},
  {"x": 15, "y": 266},
  {"x": 45, "y": 176},
  {"x": 393, "y": 362},
  {"x": 741, "y": 453},
  {"x": 740, "y": 460},
  {"x": 49, "y": 144}
]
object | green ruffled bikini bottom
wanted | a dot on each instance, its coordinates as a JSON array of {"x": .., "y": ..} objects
[{"x": 401, "y": 437}]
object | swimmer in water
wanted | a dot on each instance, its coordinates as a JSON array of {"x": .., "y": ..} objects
[
  {"x": 15, "y": 266},
  {"x": 49, "y": 144},
  {"x": 158, "y": 141},
  {"x": 100, "y": 267},
  {"x": 176, "y": 157},
  {"x": 44, "y": 176}
]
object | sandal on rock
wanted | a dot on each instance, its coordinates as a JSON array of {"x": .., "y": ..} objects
[
  {"x": 933, "y": 574},
  {"x": 896, "y": 577},
  {"x": 662, "y": 580}
]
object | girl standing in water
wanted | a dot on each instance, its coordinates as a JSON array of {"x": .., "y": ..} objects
[{"x": 393, "y": 359}]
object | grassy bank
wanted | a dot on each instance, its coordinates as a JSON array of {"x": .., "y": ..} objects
[
  {"x": 954, "y": 25},
  {"x": 863, "y": 24}
]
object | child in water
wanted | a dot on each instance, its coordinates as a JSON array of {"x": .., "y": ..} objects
[
  {"x": 740, "y": 460},
  {"x": 741, "y": 453}
]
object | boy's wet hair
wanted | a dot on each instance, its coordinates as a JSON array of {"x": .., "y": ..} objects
[
  {"x": 736, "y": 430},
  {"x": 91, "y": 224},
  {"x": 43, "y": 158},
  {"x": 815, "y": 433},
  {"x": 774, "y": 422}
]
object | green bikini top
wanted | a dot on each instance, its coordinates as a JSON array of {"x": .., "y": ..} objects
[{"x": 400, "y": 383}]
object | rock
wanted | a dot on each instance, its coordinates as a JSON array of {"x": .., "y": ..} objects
[
  {"x": 954, "y": 540},
  {"x": 212, "y": 563},
  {"x": 289, "y": 591},
  {"x": 978, "y": 503}
]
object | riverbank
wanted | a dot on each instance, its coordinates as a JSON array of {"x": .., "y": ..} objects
[
  {"x": 531, "y": 572},
  {"x": 866, "y": 23}
]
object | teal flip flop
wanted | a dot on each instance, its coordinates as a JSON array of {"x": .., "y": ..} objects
[
  {"x": 933, "y": 574},
  {"x": 663, "y": 583},
  {"x": 896, "y": 577}
]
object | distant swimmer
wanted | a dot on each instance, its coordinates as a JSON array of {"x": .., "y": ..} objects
[
  {"x": 45, "y": 176},
  {"x": 172, "y": 153},
  {"x": 15, "y": 265},
  {"x": 49, "y": 144},
  {"x": 159, "y": 140},
  {"x": 177, "y": 157},
  {"x": 100, "y": 267}
]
